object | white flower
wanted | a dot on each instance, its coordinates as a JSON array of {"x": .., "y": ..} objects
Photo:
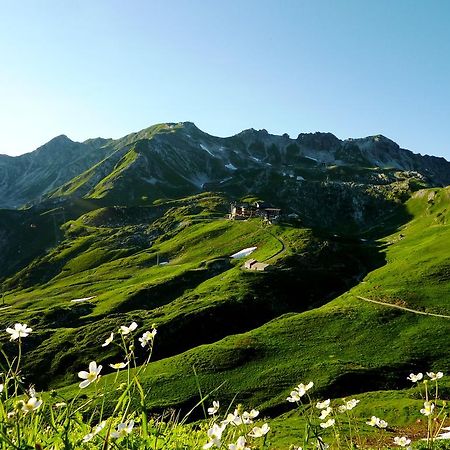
[
  {"x": 302, "y": 388},
  {"x": 294, "y": 397},
  {"x": 259, "y": 431},
  {"x": 214, "y": 408},
  {"x": 147, "y": 337},
  {"x": 215, "y": 436},
  {"x": 31, "y": 405},
  {"x": 95, "y": 431},
  {"x": 2, "y": 386},
  {"x": 60, "y": 405},
  {"x": 325, "y": 412},
  {"x": 323, "y": 405},
  {"x": 402, "y": 441},
  {"x": 350, "y": 404},
  {"x": 435, "y": 376},
  {"x": 373, "y": 421},
  {"x": 19, "y": 331},
  {"x": 376, "y": 422},
  {"x": 123, "y": 429},
  {"x": 127, "y": 330},
  {"x": 427, "y": 409},
  {"x": 234, "y": 419},
  {"x": 247, "y": 417},
  {"x": 299, "y": 392},
  {"x": 91, "y": 376},
  {"x": 119, "y": 365},
  {"x": 328, "y": 423},
  {"x": 108, "y": 340},
  {"x": 415, "y": 378},
  {"x": 240, "y": 444}
]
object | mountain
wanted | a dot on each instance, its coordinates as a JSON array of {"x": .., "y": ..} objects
[
  {"x": 173, "y": 160},
  {"x": 136, "y": 229},
  {"x": 26, "y": 178}
]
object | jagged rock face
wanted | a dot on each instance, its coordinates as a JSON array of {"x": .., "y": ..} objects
[{"x": 170, "y": 160}]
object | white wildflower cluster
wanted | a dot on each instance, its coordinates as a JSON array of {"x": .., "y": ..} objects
[
  {"x": 377, "y": 422},
  {"x": 428, "y": 406},
  {"x": 299, "y": 392},
  {"x": 415, "y": 378},
  {"x": 126, "y": 331},
  {"x": 123, "y": 429},
  {"x": 326, "y": 411},
  {"x": 147, "y": 338},
  {"x": 238, "y": 422},
  {"x": 236, "y": 431}
]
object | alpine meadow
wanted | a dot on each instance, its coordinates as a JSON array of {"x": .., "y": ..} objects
[
  {"x": 224, "y": 225},
  {"x": 172, "y": 289}
]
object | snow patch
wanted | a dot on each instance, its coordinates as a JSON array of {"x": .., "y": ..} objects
[
  {"x": 206, "y": 149},
  {"x": 300, "y": 178},
  {"x": 243, "y": 253},
  {"x": 311, "y": 158},
  {"x": 255, "y": 159},
  {"x": 230, "y": 166},
  {"x": 84, "y": 299}
]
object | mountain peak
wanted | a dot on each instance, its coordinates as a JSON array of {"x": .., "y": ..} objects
[
  {"x": 61, "y": 139},
  {"x": 377, "y": 140}
]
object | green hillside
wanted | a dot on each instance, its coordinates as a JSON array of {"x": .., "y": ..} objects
[
  {"x": 246, "y": 337},
  {"x": 347, "y": 346}
]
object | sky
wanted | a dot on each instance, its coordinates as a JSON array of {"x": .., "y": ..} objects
[{"x": 107, "y": 68}]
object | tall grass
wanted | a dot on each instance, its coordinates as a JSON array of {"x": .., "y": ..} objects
[{"x": 31, "y": 420}]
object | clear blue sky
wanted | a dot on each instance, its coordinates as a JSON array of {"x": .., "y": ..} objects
[{"x": 106, "y": 68}]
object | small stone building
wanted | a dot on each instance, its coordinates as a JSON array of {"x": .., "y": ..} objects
[{"x": 253, "y": 264}]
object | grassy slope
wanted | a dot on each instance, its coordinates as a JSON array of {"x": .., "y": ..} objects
[
  {"x": 200, "y": 294},
  {"x": 346, "y": 346}
]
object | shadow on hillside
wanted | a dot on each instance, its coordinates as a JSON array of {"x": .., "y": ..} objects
[{"x": 296, "y": 284}]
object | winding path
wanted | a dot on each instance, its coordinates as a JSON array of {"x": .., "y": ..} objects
[
  {"x": 422, "y": 313},
  {"x": 282, "y": 249}
]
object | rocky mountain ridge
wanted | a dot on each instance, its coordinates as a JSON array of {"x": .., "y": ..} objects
[{"x": 177, "y": 159}]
